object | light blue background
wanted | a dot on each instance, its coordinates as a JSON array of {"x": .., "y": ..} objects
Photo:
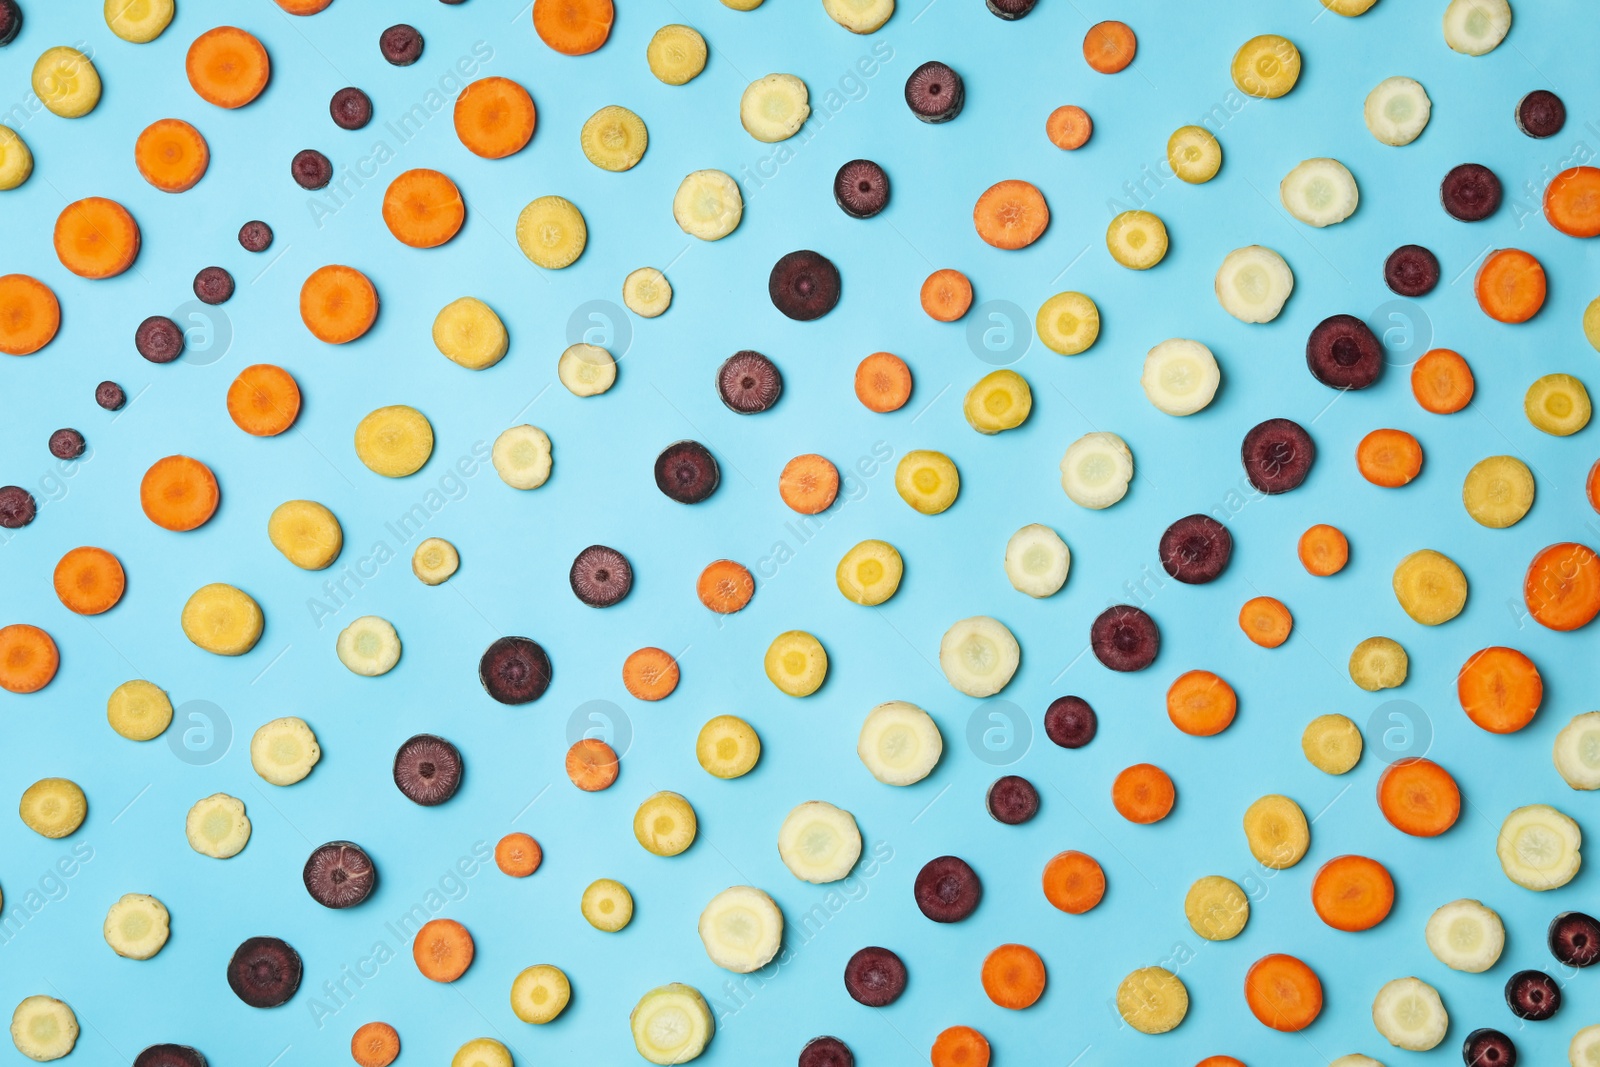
[{"x": 516, "y": 547}]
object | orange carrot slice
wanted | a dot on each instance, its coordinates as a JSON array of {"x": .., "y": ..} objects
[
  {"x": 809, "y": 484},
  {"x": 179, "y": 493},
  {"x": 423, "y": 208},
  {"x": 1011, "y": 214},
  {"x": 1562, "y": 587},
  {"x": 30, "y": 315},
  {"x": 303, "y": 7},
  {"x": 1324, "y": 550},
  {"x": 338, "y": 304},
  {"x": 1352, "y": 893},
  {"x": 1143, "y": 793},
  {"x": 495, "y": 117},
  {"x": 1419, "y": 797},
  {"x": 1591, "y": 487},
  {"x": 264, "y": 400},
  {"x": 946, "y": 295},
  {"x": 1074, "y": 882},
  {"x": 1266, "y": 621},
  {"x": 89, "y": 580},
  {"x": 442, "y": 950},
  {"x": 171, "y": 155},
  {"x": 1500, "y": 689},
  {"x": 28, "y": 658},
  {"x": 1390, "y": 458},
  {"x": 1069, "y": 127},
  {"x": 650, "y": 674},
  {"x": 1220, "y": 1061},
  {"x": 518, "y": 855},
  {"x": 373, "y": 1044},
  {"x": 1109, "y": 46},
  {"x": 883, "y": 382},
  {"x": 1442, "y": 382},
  {"x": 96, "y": 238},
  {"x": 1201, "y": 704},
  {"x": 1510, "y": 286},
  {"x": 725, "y": 586},
  {"x": 960, "y": 1046},
  {"x": 573, "y": 27},
  {"x": 1283, "y": 993},
  {"x": 592, "y": 764},
  {"x": 227, "y": 67},
  {"x": 1572, "y": 202},
  {"x": 1013, "y": 976}
]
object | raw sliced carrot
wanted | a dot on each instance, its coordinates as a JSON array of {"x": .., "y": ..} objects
[
  {"x": 1143, "y": 793},
  {"x": 338, "y": 304},
  {"x": 518, "y": 855},
  {"x": 1390, "y": 458},
  {"x": 592, "y": 764},
  {"x": 1201, "y": 704},
  {"x": 179, "y": 493},
  {"x": 1109, "y": 46},
  {"x": 1562, "y": 588},
  {"x": 1591, "y": 488},
  {"x": 1442, "y": 382},
  {"x": 1013, "y": 976},
  {"x": 442, "y": 950},
  {"x": 30, "y": 315},
  {"x": 423, "y": 208},
  {"x": 573, "y": 27},
  {"x": 89, "y": 580},
  {"x": 373, "y": 1044},
  {"x": 1069, "y": 127},
  {"x": 495, "y": 117},
  {"x": 1324, "y": 550},
  {"x": 1352, "y": 893},
  {"x": 1419, "y": 797},
  {"x": 650, "y": 674},
  {"x": 725, "y": 586},
  {"x": 946, "y": 295},
  {"x": 883, "y": 382},
  {"x": 1283, "y": 993},
  {"x": 1572, "y": 202},
  {"x": 227, "y": 67},
  {"x": 1265, "y": 621},
  {"x": 1074, "y": 882},
  {"x": 1220, "y": 1061},
  {"x": 960, "y": 1046},
  {"x": 1510, "y": 286},
  {"x": 28, "y": 658},
  {"x": 96, "y": 238},
  {"x": 1500, "y": 689},
  {"x": 171, "y": 155},
  {"x": 1011, "y": 214},
  {"x": 809, "y": 484},
  {"x": 303, "y": 7},
  {"x": 264, "y": 400}
]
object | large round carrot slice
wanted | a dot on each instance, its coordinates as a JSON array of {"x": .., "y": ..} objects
[
  {"x": 1572, "y": 202},
  {"x": 1500, "y": 689},
  {"x": 30, "y": 314},
  {"x": 171, "y": 155},
  {"x": 28, "y": 658},
  {"x": 1011, "y": 214},
  {"x": 1510, "y": 286},
  {"x": 495, "y": 117},
  {"x": 423, "y": 208},
  {"x": 228, "y": 67},
  {"x": 338, "y": 304},
  {"x": 1283, "y": 993},
  {"x": 96, "y": 238},
  {"x": 573, "y": 27},
  {"x": 1562, "y": 588},
  {"x": 1419, "y": 797},
  {"x": 179, "y": 493},
  {"x": 89, "y": 580},
  {"x": 1352, "y": 893}
]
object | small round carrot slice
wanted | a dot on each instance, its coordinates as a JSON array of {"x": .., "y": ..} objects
[
  {"x": 373, "y": 1044},
  {"x": 264, "y": 400},
  {"x": 89, "y": 580},
  {"x": 518, "y": 855},
  {"x": 227, "y": 67},
  {"x": 423, "y": 208},
  {"x": 946, "y": 295},
  {"x": 1562, "y": 587},
  {"x": 1352, "y": 893},
  {"x": 1283, "y": 993},
  {"x": 495, "y": 117},
  {"x": 650, "y": 674},
  {"x": 96, "y": 238},
  {"x": 1324, "y": 550},
  {"x": 1572, "y": 202},
  {"x": 1500, "y": 689},
  {"x": 1419, "y": 797},
  {"x": 30, "y": 315},
  {"x": 171, "y": 155},
  {"x": 573, "y": 27},
  {"x": 592, "y": 764},
  {"x": 725, "y": 586},
  {"x": 28, "y": 658},
  {"x": 809, "y": 484},
  {"x": 1069, "y": 127},
  {"x": 1011, "y": 214},
  {"x": 1201, "y": 704},
  {"x": 960, "y": 1046},
  {"x": 179, "y": 493},
  {"x": 883, "y": 382},
  {"x": 1442, "y": 382},
  {"x": 338, "y": 304},
  {"x": 1013, "y": 976},
  {"x": 1266, "y": 621},
  {"x": 1390, "y": 458},
  {"x": 1510, "y": 286},
  {"x": 304, "y": 7},
  {"x": 442, "y": 949},
  {"x": 1109, "y": 46},
  {"x": 1143, "y": 793},
  {"x": 1074, "y": 882}
]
